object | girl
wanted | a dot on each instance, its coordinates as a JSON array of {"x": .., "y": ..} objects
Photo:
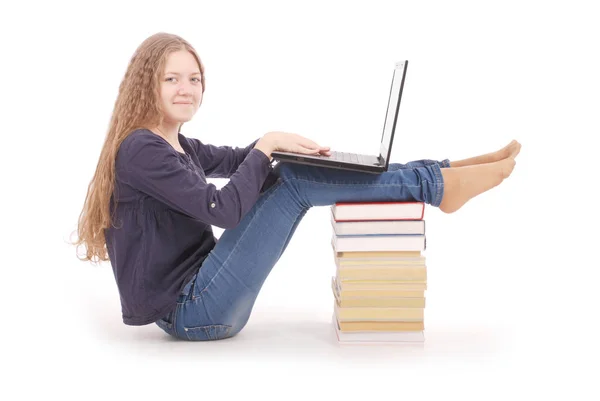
[{"x": 149, "y": 208}]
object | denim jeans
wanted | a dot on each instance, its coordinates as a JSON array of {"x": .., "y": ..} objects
[{"x": 216, "y": 303}]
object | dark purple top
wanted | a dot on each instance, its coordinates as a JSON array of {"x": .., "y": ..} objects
[{"x": 165, "y": 211}]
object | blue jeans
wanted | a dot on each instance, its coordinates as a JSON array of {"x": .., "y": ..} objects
[{"x": 218, "y": 300}]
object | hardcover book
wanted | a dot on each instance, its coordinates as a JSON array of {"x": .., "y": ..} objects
[
  {"x": 365, "y": 243},
  {"x": 378, "y": 227},
  {"x": 356, "y": 211}
]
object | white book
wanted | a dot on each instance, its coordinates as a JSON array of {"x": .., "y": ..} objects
[
  {"x": 378, "y": 210},
  {"x": 365, "y": 337},
  {"x": 377, "y": 227},
  {"x": 366, "y": 243}
]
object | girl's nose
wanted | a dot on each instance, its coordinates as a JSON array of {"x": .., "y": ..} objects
[{"x": 184, "y": 89}]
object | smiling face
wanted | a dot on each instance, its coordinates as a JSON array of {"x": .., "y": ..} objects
[{"x": 180, "y": 88}]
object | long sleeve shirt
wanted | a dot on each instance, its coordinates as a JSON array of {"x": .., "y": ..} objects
[{"x": 161, "y": 227}]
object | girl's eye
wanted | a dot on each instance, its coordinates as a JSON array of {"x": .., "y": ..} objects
[{"x": 170, "y": 78}]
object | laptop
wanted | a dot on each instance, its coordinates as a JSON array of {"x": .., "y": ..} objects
[{"x": 360, "y": 162}]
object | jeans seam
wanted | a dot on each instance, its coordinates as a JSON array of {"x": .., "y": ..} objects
[
  {"x": 437, "y": 172},
  {"x": 191, "y": 296},
  {"x": 210, "y": 319}
]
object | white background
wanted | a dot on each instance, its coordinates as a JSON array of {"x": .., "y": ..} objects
[{"x": 512, "y": 303}]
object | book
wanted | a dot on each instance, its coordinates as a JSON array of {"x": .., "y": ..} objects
[
  {"x": 376, "y": 313},
  {"x": 378, "y": 254},
  {"x": 378, "y": 262},
  {"x": 366, "y": 256},
  {"x": 376, "y": 290},
  {"x": 381, "y": 293},
  {"x": 381, "y": 285},
  {"x": 365, "y": 337},
  {"x": 379, "y": 243},
  {"x": 356, "y": 211},
  {"x": 368, "y": 325},
  {"x": 408, "y": 274},
  {"x": 378, "y": 227},
  {"x": 377, "y": 302},
  {"x": 381, "y": 302}
]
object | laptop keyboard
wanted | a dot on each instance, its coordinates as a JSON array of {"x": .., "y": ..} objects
[
  {"x": 346, "y": 157},
  {"x": 350, "y": 158}
]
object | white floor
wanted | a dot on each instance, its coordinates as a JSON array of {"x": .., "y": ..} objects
[{"x": 495, "y": 322}]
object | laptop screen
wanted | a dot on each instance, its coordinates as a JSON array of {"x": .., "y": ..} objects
[{"x": 391, "y": 115}]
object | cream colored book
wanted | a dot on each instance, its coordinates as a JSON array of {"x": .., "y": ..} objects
[
  {"x": 382, "y": 293},
  {"x": 375, "y": 313},
  {"x": 405, "y": 274},
  {"x": 378, "y": 261},
  {"x": 369, "y": 325},
  {"x": 381, "y": 285},
  {"x": 379, "y": 302},
  {"x": 367, "y": 293},
  {"x": 408, "y": 272},
  {"x": 377, "y": 337}
]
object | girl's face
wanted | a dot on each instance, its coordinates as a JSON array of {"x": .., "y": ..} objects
[{"x": 181, "y": 87}]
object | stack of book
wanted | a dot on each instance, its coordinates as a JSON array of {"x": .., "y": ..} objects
[{"x": 381, "y": 276}]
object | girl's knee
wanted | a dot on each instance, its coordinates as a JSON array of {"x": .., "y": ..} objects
[{"x": 213, "y": 332}]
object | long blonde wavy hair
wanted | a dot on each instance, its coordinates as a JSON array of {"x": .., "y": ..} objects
[{"x": 137, "y": 106}]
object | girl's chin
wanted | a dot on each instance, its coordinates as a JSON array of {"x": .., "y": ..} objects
[{"x": 180, "y": 119}]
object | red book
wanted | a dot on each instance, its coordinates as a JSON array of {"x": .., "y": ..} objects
[{"x": 360, "y": 211}]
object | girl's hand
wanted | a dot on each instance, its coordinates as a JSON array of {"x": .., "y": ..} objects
[{"x": 288, "y": 142}]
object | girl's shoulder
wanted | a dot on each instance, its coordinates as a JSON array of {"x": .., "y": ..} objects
[
  {"x": 143, "y": 139},
  {"x": 141, "y": 136}
]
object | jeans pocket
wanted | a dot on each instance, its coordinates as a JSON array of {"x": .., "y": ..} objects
[{"x": 207, "y": 333}]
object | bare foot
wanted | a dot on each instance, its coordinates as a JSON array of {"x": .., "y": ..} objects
[
  {"x": 464, "y": 183},
  {"x": 510, "y": 150},
  {"x": 513, "y": 149}
]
